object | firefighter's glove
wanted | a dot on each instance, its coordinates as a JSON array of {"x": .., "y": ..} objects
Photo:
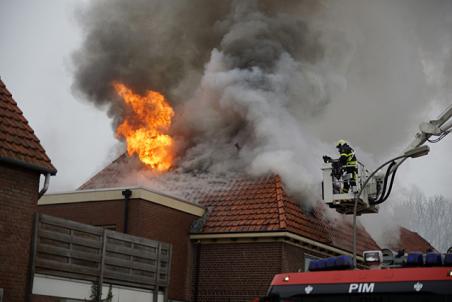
[{"x": 326, "y": 159}]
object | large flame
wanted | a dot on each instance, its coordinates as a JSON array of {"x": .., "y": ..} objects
[{"x": 145, "y": 128}]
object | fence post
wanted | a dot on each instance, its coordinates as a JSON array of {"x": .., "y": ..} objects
[
  {"x": 102, "y": 265},
  {"x": 168, "y": 275},
  {"x": 157, "y": 272},
  {"x": 32, "y": 259}
]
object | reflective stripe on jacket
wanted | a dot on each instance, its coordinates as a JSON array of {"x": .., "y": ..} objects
[{"x": 347, "y": 157}]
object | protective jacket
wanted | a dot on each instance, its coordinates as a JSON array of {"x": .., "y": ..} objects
[{"x": 347, "y": 157}]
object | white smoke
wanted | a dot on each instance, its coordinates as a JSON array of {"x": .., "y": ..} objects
[{"x": 269, "y": 138}]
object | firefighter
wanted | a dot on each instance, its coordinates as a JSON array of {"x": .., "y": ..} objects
[{"x": 349, "y": 165}]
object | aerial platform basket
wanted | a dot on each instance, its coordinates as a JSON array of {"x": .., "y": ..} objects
[{"x": 334, "y": 197}]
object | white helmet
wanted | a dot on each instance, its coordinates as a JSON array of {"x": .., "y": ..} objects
[{"x": 340, "y": 143}]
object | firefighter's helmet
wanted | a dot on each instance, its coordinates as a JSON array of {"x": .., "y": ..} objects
[{"x": 340, "y": 143}]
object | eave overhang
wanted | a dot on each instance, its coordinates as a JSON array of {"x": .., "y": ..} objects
[{"x": 285, "y": 236}]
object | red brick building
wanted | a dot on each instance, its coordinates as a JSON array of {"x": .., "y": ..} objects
[
  {"x": 253, "y": 231},
  {"x": 22, "y": 161},
  {"x": 228, "y": 245},
  {"x": 228, "y": 242}
]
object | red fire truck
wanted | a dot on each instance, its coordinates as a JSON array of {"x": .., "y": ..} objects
[{"x": 413, "y": 277}]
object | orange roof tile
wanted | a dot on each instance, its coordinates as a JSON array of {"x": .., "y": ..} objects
[
  {"x": 18, "y": 143},
  {"x": 240, "y": 203},
  {"x": 245, "y": 204},
  {"x": 249, "y": 207},
  {"x": 260, "y": 204},
  {"x": 411, "y": 242}
]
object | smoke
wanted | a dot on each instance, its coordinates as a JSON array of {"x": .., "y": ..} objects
[
  {"x": 233, "y": 73},
  {"x": 397, "y": 75},
  {"x": 269, "y": 86},
  {"x": 435, "y": 38}
]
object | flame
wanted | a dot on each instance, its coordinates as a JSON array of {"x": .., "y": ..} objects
[{"x": 145, "y": 128}]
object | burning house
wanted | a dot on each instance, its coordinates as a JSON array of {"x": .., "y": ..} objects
[
  {"x": 214, "y": 105},
  {"x": 219, "y": 109},
  {"x": 230, "y": 235}
]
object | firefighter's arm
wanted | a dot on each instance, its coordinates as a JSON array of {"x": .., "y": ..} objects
[{"x": 343, "y": 158}]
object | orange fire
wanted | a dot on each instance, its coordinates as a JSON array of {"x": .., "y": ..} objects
[{"x": 145, "y": 128}]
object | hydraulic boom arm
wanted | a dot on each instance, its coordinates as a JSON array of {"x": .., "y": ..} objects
[{"x": 439, "y": 127}]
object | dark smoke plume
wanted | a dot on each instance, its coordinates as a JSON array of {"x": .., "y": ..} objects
[
  {"x": 232, "y": 69},
  {"x": 164, "y": 45},
  {"x": 269, "y": 86}
]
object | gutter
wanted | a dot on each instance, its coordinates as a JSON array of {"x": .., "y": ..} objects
[
  {"x": 41, "y": 170},
  {"x": 277, "y": 234},
  {"x": 28, "y": 166},
  {"x": 45, "y": 187}
]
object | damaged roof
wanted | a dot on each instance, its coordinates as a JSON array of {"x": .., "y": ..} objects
[
  {"x": 243, "y": 204},
  {"x": 261, "y": 204},
  {"x": 18, "y": 142}
]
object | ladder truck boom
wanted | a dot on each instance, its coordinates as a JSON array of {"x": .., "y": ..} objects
[{"x": 439, "y": 127}]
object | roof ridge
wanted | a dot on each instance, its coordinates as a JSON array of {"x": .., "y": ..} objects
[
  {"x": 280, "y": 203},
  {"x": 102, "y": 170}
]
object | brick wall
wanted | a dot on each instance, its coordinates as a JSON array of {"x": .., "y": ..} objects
[
  {"x": 240, "y": 271},
  {"x": 236, "y": 271},
  {"x": 97, "y": 213},
  {"x": 147, "y": 220},
  {"x": 18, "y": 197},
  {"x": 292, "y": 259}
]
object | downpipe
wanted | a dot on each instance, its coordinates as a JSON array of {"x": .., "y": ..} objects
[
  {"x": 45, "y": 187},
  {"x": 127, "y": 194}
]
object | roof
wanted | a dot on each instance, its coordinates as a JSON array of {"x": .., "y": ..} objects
[
  {"x": 108, "y": 177},
  {"x": 18, "y": 143},
  {"x": 411, "y": 242},
  {"x": 261, "y": 204},
  {"x": 238, "y": 203}
]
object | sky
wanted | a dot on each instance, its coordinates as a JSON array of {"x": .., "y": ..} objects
[
  {"x": 37, "y": 41},
  {"x": 38, "y": 38}
]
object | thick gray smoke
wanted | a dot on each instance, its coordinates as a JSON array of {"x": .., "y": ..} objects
[
  {"x": 232, "y": 70},
  {"x": 269, "y": 86}
]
